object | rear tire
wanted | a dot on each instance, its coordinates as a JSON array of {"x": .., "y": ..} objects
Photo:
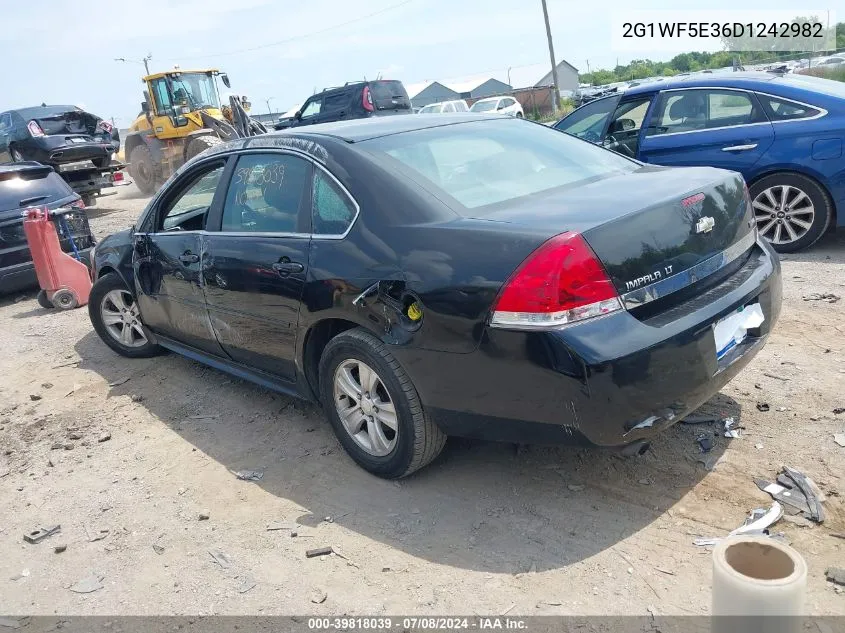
[
  {"x": 414, "y": 443},
  {"x": 99, "y": 296},
  {"x": 43, "y": 301},
  {"x": 199, "y": 144},
  {"x": 143, "y": 169},
  {"x": 17, "y": 157},
  {"x": 797, "y": 203},
  {"x": 65, "y": 299},
  {"x": 519, "y": 115}
]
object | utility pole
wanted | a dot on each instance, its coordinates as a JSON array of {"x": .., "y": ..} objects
[
  {"x": 267, "y": 101},
  {"x": 144, "y": 61},
  {"x": 551, "y": 56}
]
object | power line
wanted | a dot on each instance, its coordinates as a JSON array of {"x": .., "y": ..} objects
[{"x": 299, "y": 37}]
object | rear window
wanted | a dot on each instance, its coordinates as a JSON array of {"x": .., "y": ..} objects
[
  {"x": 385, "y": 92},
  {"x": 484, "y": 106},
  {"x": 46, "y": 111},
  {"x": 31, "y": 189},
  {"x": 486, "y": 162}
]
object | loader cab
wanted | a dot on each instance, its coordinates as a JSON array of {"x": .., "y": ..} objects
[{"x": 176, "y": 97}]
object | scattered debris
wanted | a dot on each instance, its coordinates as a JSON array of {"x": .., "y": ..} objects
[
  {"x": 60, "y": 548},
  {"x": 136, "y": 397},
  {"x": 756, "y": 524},
  {"x": 105, "y": 437},
  {"x": 762, "y": 406},
  {"x": 221, "y": 558},
  {"x": 281, "y": 525},
  {"x": 98, "y": 535},
  {"x": 318, "y": 596},
  {"x": 665, "y": 571},
  {"x": 74, "y": 389},
  {"x": 837, "y": 535},
  {"x": 548, "y": 603},
  {"x": 839, "y": 410},
  {"x": 89, "y": 584},
  {"x": 829, "y": 297},
  {"x": 575, "y": 487},
  {"x": 68, "y": 364},
  {"x": 795, "y": 489},
  {"x": 699, "y": 419},
  {"x": 799, "y": 520},
  {"x": 119, "y": 382},
  {"x": 248, "y": 475},
  {"x": 508, "y": 610},
  {"x": 835, "y": 575},
  {"x": 34, "y": 397},
  {"x": 247, "y": 583},
  {"x": 775, "y": 376},
  {"x": 12, "y": 623},
  {"x": 319, "y": 551},
  {"x": 204, "y": 515},
  {"x": 732, "y": 429},
  {"x": 36, "y": 536},
  {"x": 204, "y": 416},
  {"x": 645, "y": 482},
  {"x": 158, "y": 549},
  {"x": 839, "y": 438},
  {"x": 24, "y": 574},
  {"x": 709, "y": 461},
  {"x": 74, "y": 435},
  {"x": 705, "y": 443},
  {"x": 46, "y": 385}
]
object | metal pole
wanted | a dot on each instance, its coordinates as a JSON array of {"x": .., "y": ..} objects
[
  {"x": 551, "y": 56},
  {"x": 509, "y": 77},
  {"x": 146, "y": 62}
]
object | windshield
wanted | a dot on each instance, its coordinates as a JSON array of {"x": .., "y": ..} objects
[
  {"x": 487, "y": 162},
  {"x": 484, "y": 106},
  {"x": 195, "y": 90}
]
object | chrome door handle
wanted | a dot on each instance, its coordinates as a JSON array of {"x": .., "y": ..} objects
[{"x": 739, "y": 148}]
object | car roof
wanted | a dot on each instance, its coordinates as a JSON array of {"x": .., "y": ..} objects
[
  {"x": 357, "y": 130},
  {"x": 490, "y": 99},
  {"x": 750, "y": 79}
]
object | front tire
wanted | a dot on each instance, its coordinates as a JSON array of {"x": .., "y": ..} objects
[
  {"x": 143, "y": 170},
  {"x": 374, "y": 408},
  {"x": 114, "y": 314},
  {"x": 792, "y": 211}
]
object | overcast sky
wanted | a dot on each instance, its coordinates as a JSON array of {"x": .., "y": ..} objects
[{"x": 66, "y": 49}]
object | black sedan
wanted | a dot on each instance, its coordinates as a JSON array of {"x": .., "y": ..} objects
[
  {"x": 452, "y": 275},
  {"x": 56, "y": 135}
]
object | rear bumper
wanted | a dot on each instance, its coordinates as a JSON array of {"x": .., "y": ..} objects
[
  {"x": 598, "y": 380},
  {"x": 58, "y": 154}
]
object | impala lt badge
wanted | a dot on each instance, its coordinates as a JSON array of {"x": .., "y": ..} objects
[{"x": 705, "y": 224}]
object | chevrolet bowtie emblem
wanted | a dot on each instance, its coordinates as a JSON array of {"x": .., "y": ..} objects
[{"x": 705, "y": 224}]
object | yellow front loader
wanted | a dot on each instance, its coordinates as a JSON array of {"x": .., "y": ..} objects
[{"x": 181, "y": 116}]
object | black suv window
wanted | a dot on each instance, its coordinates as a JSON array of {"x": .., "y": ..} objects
[
  {"x": 336, "y": 102},
  {"x": 389, "y": 95},
  {"x": 31, "y": 187},
  {"x": 266, "y": 193}
]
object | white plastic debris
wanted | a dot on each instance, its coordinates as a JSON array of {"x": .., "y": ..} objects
[{"x": 757, "y": 521}]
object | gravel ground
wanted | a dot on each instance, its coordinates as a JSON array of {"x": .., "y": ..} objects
[{"x": 129, "y": 455}]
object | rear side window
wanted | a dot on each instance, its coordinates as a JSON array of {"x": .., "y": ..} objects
[
  {"x": 333, "y": 103},
  {"x": 333, "y": 211},
  {"x": 696, "y": 110},
  {"x": 34, "y": 188},
  {"x": 785, "y": 110},
  {"x": 487, "y": 162},
  {"x": 266, "y": 193}
]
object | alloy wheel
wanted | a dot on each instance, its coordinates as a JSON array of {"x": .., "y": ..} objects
[
  {"x": 784, "y": 213},
  {"x": 120, "y": 315},
  {"x": 365, "y": 407}
]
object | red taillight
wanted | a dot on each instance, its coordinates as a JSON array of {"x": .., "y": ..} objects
[
  {"x": 34, "y": 128},
  {"x": 561, "y": 282},
  {"x": 117, "y": 176},
  {"x": 367, "y": 100}
]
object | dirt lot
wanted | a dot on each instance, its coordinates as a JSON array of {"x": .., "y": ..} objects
[{"x": 486, "y": 529}]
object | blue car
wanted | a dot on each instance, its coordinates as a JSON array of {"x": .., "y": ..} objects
[{"x": 783, "y": 133}]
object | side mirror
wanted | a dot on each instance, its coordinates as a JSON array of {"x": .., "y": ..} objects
[
  {"x": 145, "y": 107},
  {"x": 297, "y": 115},
  {"x": 225, "y": 79}
]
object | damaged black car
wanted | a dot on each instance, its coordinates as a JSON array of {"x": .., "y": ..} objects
[{"x": 56, "y": 135}]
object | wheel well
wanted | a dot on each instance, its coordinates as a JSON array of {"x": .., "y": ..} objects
[
  {"x": 131, "y": 143},
  {"x": 315, "y": 342},
  {"x": 105, "y": 270},
  {"x": 815, "y": 180}
]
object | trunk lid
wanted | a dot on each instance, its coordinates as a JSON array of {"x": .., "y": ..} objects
[
  {"x": 667, "y": 222},
  {"x": 76, "y": 127}
]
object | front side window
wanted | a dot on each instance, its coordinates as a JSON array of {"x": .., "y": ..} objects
[
  {"x": 460, "y": 106},
  {"x": 266, "y": 194},
  {"x": 695, "y": 110},
  {"x": 448, "y": 108},
  {"x": 784, "y": 110},
  {"x": 487, "y": 162},
  {"x": 164, "y": 106},
  {"x": 332, "y": 210},
  {"x": 588, "y": 121},
  {"x": 624, "y": 131},
  {"x": 5, "y": 123},
  {"x": 312, "y": 109},
  {"x": 188, "y": 210}
]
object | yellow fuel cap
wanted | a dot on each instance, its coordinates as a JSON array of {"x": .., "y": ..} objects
[{"x": 414, "y": 312}]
